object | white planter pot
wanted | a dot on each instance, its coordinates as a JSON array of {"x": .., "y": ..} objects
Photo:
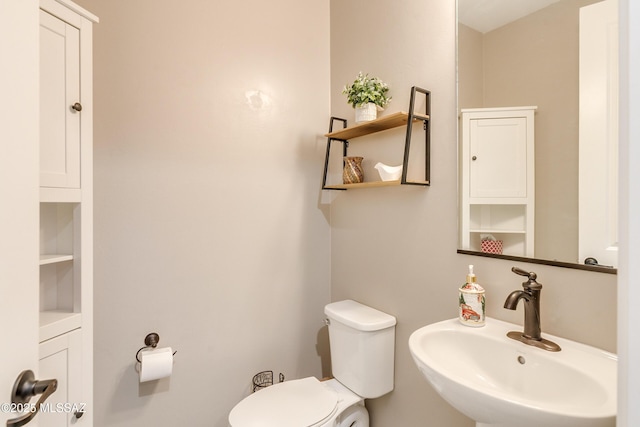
[{"x": 366, "y": 112}]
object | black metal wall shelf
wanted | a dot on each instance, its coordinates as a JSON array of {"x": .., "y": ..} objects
[{"x": 384, "y": 123}]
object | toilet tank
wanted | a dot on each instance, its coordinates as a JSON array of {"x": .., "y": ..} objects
[{"x": 362, "y": 343}]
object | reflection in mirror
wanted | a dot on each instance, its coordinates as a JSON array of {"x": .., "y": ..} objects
[{"x": 560, "y": 57}]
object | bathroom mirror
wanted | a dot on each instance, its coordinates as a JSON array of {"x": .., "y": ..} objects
[{"x": 516, "y": 53}]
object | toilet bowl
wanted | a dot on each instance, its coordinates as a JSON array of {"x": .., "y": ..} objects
[
  {"x": 307, "y": 402},
  {"x": 362, "y": 341}
]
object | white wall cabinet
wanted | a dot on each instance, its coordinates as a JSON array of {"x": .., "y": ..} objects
[
  {"x": 66, "y": 208},
  {"x": 497, "y": 178},
  {"x": 59, "y": 94}
]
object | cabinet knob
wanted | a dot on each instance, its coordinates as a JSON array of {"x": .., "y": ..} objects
[
  {"x": 78, "y": 414},
  {"x": 474, "y": 158},
  {"x": 77, "y": 106}
]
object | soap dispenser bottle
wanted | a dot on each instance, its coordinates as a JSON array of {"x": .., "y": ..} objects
[{"x": 471, "y": 302}]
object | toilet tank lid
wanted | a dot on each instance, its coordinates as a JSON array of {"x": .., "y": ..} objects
[{"x": 359, "y": 316}]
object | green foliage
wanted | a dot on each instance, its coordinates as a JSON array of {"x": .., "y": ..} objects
[{"x": 366, "y": 89}]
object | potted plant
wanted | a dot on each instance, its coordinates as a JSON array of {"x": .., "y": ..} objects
[{"x": 367, "y": 95}]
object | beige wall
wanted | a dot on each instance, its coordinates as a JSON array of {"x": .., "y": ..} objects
[
  {"x": 395, "y": 248},
  {"x": 207, "y": 226},
  {"x": 470, "y": 68}
]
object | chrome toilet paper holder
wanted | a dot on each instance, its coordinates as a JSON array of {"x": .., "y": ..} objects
[{"x": 150, "y": 341}]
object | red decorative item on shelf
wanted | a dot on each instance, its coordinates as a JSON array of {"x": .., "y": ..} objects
[{"x": 491, "y": 246}]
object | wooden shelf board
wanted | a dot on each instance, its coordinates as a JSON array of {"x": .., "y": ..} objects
[
  {"x": 383, "y": 123},
  {"x": 54, "y": 258},
  {"x": 371, "y": 184},
  {"x": 58, "y": 322}
]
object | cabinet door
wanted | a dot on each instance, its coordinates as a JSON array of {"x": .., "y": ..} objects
[
  {"x": 61, "y": 358},
  {"x": 498, "y": 157},
  {"x": 59, "y": 91}
]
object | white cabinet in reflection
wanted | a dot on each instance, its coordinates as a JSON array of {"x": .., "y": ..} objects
[{"x": 497, "y": 180}]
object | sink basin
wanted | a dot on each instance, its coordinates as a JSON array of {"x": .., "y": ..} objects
[{"x": 497, "y": 381}]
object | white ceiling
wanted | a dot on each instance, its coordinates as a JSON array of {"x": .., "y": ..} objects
[{"x": 487, "y": 15}]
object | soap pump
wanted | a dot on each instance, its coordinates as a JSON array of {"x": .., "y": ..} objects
[{"x": 471, "y": 302}]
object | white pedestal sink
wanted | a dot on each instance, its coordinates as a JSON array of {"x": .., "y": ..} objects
[{"x": 497, "y": 381}]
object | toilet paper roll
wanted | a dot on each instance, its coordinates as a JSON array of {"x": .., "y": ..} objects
[{"x": 156, "y": 364}]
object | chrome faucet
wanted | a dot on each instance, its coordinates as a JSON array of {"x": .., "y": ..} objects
[{"x": 531, "y": 296}]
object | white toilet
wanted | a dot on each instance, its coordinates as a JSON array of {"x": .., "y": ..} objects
[{"x": 362, "y": 354}]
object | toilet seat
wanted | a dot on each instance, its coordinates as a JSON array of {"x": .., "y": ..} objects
[{"x": 305, "y": 402}]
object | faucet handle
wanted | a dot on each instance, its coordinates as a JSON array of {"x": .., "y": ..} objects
[
  {"x": 521, "y": 272},
  {"x": 531, "y": 283}
]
